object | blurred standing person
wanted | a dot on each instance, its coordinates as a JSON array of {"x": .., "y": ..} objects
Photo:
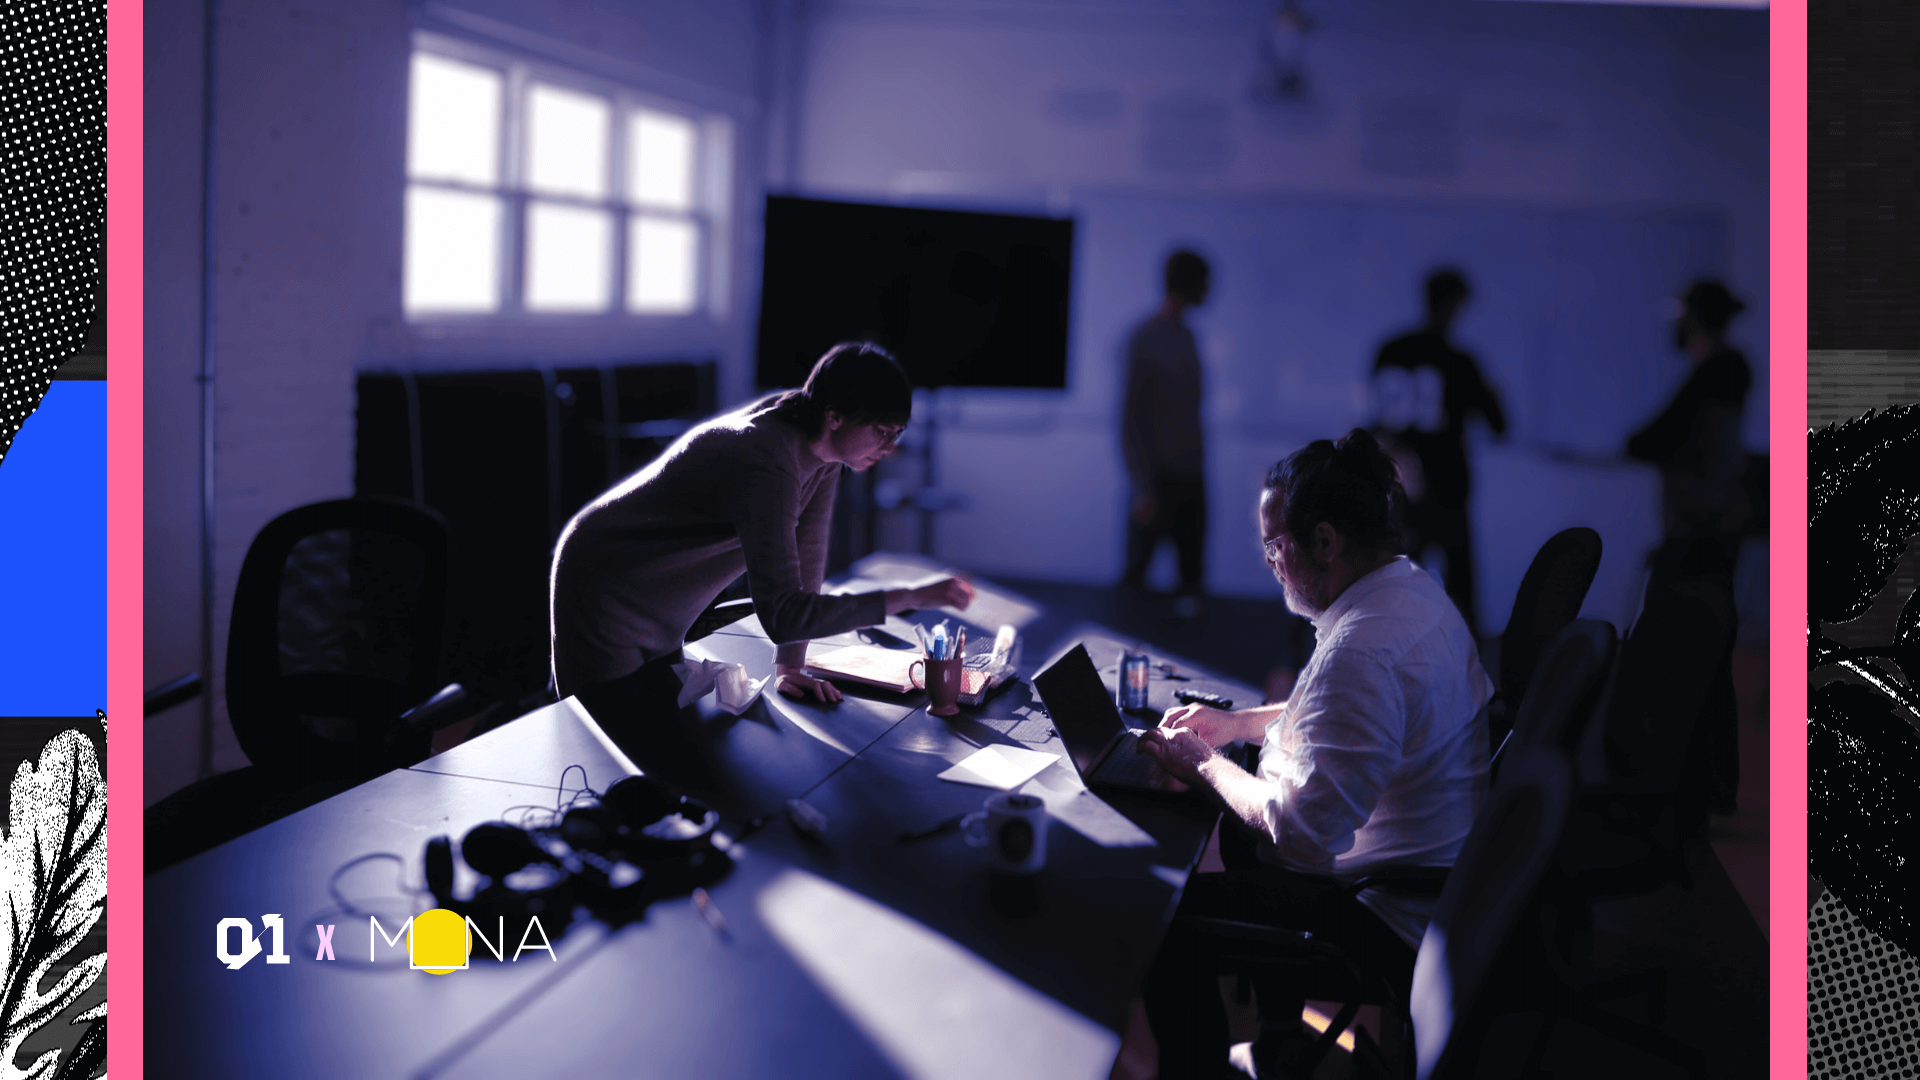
[
  {"x": 1696, "y": 443},
  {"x": 1161, "y": 436},
  {"x": 1426, "y": 390}
]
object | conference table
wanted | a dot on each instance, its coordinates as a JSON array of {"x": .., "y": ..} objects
[{"x": 853, "y": 953}]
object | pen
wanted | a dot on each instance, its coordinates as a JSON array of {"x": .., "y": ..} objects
[
  {"x": 933, "y": 830},
  {"x": 710, "y": 912}
]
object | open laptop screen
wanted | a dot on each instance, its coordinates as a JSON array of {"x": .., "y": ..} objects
[{"x": 1081, "y": 707}]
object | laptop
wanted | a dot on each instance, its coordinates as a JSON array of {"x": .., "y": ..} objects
[{"x": 1099, "y": 742}]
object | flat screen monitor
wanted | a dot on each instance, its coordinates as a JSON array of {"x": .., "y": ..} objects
[{"x": 962, "y": 299}]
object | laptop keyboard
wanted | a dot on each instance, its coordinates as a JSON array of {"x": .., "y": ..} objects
[{"x": 1128, "y": 766}]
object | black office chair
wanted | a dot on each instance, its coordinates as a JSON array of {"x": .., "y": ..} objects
[
  {"x": 1549, "y": 597},
  {"x": 1492, "y": 886},
  {"x": 1626, "y": 834},
  {"x": 1558, "y": 709},
  {"x": 336, "y": 634},
  {"x": 1553, "y": 718},
  {"x": 1635, "y": 821}
]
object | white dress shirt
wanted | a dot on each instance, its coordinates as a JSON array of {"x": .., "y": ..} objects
[{"x": 1378, "y": 758}]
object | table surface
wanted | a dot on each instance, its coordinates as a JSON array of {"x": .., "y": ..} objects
[{"x": 857, "y": 955}]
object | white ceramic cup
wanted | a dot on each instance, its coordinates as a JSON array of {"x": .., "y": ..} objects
[{"x": 1014, "y": 829}]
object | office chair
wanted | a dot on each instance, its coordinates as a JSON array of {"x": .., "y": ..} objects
[
  {"x": 1559, "y": 706},
  {"x": 1492, "y": 886},
  {"x": 337, "y": 627},
  {"x": 1626, "y": 834},
  {"x": 1549, "y": 597},
  {"x": 1553, "y": 718},
  {"x": 1633, "y": 822}
]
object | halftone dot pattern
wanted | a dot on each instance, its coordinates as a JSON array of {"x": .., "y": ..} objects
[
  {"x": 53, "y": 192},
  {"x": 1863, "y": 999}
]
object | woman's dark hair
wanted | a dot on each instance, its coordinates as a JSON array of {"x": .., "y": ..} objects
[
  {"x": 857, "y": 379},
  {"x": 1349, "y": 483}
]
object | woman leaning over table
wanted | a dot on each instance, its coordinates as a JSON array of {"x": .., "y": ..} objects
[{"x": 750, "y": 490}]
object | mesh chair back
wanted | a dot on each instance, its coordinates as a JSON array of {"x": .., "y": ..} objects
[
  {"x": 1561, "y": 696},
  {"x": 1499, "y": 868},
  {"x": 1550, "y": 595},
  {"x": 337, "y": 628}
]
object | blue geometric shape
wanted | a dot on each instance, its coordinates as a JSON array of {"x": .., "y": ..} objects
[{"x": 53, "y": 557}]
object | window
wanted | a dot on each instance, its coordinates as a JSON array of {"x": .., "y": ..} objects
[{"x": 543, "y": 192}]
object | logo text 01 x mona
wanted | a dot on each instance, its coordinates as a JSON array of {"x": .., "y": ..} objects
[{"x": 439, "y": 942}]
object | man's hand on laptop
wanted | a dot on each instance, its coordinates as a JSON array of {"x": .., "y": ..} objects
[
  {"x": 1178, "y": 750},
  {"x": 1215, "y": 727}
]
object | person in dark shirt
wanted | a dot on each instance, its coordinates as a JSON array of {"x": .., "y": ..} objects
[
  {"x": 1426, "y": 390},
  {"x": 1161, "y": 438},
  {"x": 1696, "y": 443},
  {"x": 1696, "y": 439}
]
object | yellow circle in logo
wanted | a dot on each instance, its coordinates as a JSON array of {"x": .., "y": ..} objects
[{"x": 439, "y": 943}]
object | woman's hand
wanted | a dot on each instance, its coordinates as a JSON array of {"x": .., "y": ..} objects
[
  {"x": 795, "y": 683},
  {"x": 950, "y": 592},
  {"x": 1215, "y": 727},
  {"x": 1178, "y": 750}
]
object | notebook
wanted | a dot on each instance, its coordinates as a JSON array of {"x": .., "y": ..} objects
[{"x": 888, "y": 669}]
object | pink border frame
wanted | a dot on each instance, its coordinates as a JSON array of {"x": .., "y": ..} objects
[
  {"x": 1787, "y": 530},
  {"x": 1787, "y": 574},
  {"x": 124, "y": 564}
]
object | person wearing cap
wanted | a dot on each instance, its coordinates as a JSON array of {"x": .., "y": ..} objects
[
  {"x": 751, "y": 491},
  {"x": 1696, "y": 443}
]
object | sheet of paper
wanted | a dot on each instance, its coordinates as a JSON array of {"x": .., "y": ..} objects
[{"x": 999, "y": 766}]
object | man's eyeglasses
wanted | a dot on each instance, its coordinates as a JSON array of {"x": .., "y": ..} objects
[
  {"x": 1273, "y": 548},
  {"x": 889, "y": 435}
]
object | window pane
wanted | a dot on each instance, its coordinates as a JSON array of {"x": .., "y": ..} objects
[
  {"x": 453, "y": 121},
  {"x": 566, "y": 142},
  {"x": 660, "y": 160},
  {"x": 567, "y": 258},
  {"x": 660, "y": 271},
  {"x": 452, "y": 255}
]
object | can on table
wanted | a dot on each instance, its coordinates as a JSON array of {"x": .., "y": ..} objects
[{"x": 1133, "y": 680}]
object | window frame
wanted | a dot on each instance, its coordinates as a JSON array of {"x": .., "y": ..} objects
[{"x": 706, "y": 212}]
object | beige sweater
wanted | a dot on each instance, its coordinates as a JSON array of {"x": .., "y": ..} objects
[{"x": 636, "y": 566}]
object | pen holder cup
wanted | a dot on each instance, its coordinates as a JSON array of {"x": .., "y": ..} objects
[
  {"x": 1014, "y": 827},
  {"x": 941, "y": 680}
]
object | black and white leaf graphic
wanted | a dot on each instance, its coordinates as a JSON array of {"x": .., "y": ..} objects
[
  {"x": 1863, "y": 752},
  {"x": 53, "y": 881}
]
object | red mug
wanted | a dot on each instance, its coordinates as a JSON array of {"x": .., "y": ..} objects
[{"x": 942, "y": 685}]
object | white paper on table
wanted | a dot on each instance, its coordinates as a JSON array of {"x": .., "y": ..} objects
[{"x": 999, "y": 766}]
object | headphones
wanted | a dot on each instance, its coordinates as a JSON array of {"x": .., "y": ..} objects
[{"x": 638, "y": 842}]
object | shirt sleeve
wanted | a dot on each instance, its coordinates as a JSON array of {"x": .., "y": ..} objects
[
  {"x": 812, "y": 537},
  {"x": 1339, "y": 746},
  {"x": 784, "y": 542}
]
